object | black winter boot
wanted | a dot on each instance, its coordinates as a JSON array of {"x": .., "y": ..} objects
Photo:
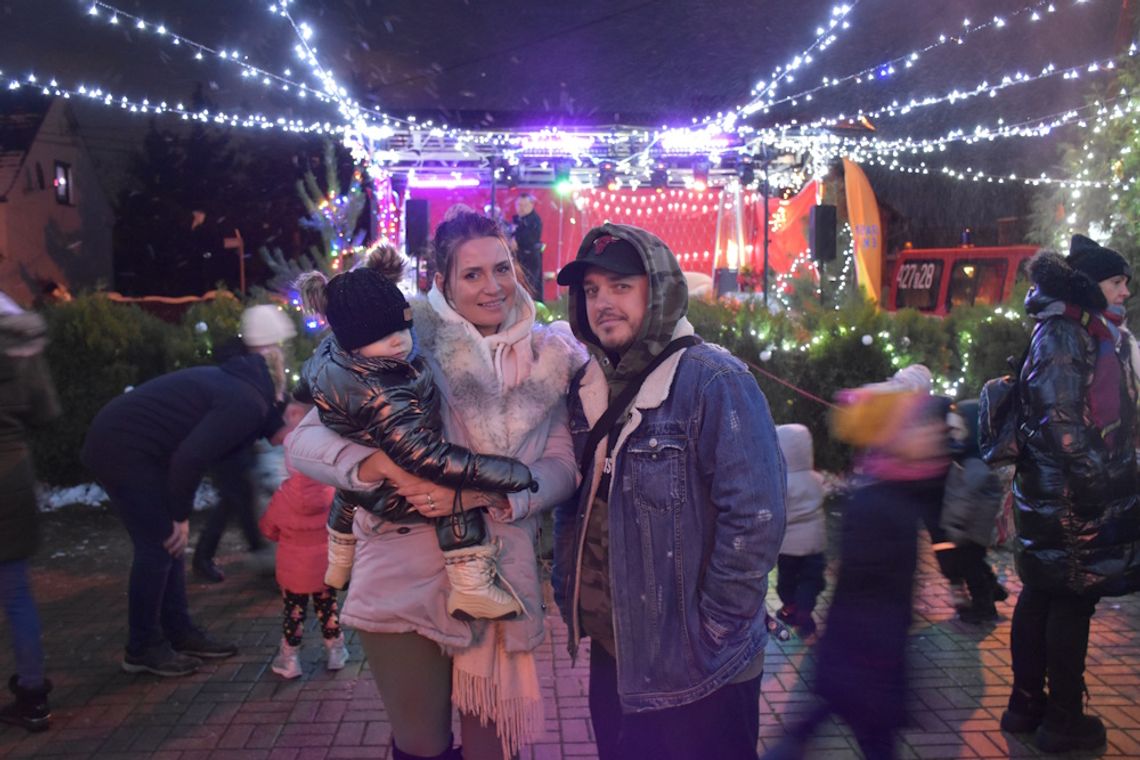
[
  {"x": 31, "y": 709},
  {"x": 451, "y": 753},
  {"x": 981, "y": 608},
  {"x": 1062, "y": 731},
  {"x": 1025, "y": 712}
]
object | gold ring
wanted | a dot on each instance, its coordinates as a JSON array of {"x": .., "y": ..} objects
[{"x": 431, "y": 501}]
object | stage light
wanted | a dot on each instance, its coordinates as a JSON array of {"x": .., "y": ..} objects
[
  {"x": 562, "y": 183},
  {"x": 659, "y": 176},
  {"x": 511, "y": 175},
  {"x": 746, "y": 171},
  {"x": 701, "y": 168},
  {"x": 607, "y": 175}
]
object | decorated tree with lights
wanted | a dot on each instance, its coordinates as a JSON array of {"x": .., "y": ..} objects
[
  {"x": 333, "y": 214},
  {"x": 1101, "y": 197}
]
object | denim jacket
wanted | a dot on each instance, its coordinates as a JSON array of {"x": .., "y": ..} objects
[{"x": 696, "y": 517}]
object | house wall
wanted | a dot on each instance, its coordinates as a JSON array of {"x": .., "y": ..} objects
[{"x": 42, "y": 239}]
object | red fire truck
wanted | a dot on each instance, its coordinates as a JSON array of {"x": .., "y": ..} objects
[{"x": 935, "y": 280}]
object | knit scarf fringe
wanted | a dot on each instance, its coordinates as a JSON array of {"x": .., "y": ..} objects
[{"x": 518, "y": 720}]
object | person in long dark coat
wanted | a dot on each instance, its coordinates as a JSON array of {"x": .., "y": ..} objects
[{"x": 27, "y": 398}]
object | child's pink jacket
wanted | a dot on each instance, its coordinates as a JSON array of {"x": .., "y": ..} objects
[{"x": 296, "y": 519}]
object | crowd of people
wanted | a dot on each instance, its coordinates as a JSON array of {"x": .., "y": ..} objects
[{"x": 428, "y": 437}]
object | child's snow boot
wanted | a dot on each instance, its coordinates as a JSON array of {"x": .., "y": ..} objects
[
  {"x": 287, "y": 663},
  {"x": 342, "y": 549},
  {"x": 337, "y": 653},
  {"x": 475, "y": 592}
]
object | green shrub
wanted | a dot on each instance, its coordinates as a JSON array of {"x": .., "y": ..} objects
[{"x": 98, "y": 348}]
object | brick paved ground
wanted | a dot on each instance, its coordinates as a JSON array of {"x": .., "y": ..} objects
[{"x": 239, "y": 709}]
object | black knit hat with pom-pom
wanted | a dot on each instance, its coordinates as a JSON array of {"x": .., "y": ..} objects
[{"x": 365, "y": 306}]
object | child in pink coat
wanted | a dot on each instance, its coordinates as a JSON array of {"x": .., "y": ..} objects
[{"x": 295, "y": 519}]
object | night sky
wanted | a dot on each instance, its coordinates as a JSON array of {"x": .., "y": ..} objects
[{"x": 541, "y": 62}]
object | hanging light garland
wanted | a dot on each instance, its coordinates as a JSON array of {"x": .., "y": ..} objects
[
  {"x": 200, "y": 51},
  {"x": 892, "y": 66},
  {"x": 52, "y": 88},
  {"x": 717, "y": 137}
]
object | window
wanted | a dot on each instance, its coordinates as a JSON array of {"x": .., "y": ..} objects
[
  {"x": 977, "y": 282},
  {"x": 917, "y": 284},
  {"x": 62, "y": 183}
]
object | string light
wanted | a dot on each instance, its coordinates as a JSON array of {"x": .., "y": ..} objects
[
  {"x": 718, "y": 137},
  {"x": 825, "y": 37},
  {"x": 200, "y": 50},
  {"x": 889, "y": 67},
  {"x": 146, "y": 106}
]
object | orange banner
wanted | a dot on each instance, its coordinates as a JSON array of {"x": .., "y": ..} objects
[{"x": 866, "y": 229}]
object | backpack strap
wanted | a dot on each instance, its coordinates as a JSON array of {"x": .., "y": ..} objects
[{"x": 618, "y": 406}]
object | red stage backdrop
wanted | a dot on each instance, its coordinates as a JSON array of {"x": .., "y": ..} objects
[{"x": 687, "y": 220}]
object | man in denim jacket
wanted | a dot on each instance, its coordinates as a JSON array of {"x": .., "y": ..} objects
[{"x": 688, "y": 488}]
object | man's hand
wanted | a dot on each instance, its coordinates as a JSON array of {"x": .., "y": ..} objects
[{"x": 179, "y": 539}]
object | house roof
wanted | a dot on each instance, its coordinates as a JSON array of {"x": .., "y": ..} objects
[{"x": 21, "y": 115}]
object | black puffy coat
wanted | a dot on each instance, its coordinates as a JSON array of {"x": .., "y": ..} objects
[
  {"x": 1077, "y": 513},
  {"x": 393, "y": 405}
]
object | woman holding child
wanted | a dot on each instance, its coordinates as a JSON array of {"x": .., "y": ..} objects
[{"x": 503, "y": 382}]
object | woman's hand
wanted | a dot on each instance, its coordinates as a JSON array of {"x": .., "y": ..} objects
[
  {"x": 432, "y": 500},
  {"x": 429, "y": 499}
]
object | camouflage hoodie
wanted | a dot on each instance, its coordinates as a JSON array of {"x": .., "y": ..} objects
[{"x": 668, "y": 303}]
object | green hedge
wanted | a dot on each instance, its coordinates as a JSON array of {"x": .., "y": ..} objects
[
  {"x": 821, "y": 351},
  {"x": 98, "y": 348}
]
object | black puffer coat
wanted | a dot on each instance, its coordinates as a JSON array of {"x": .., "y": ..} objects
[
  {"x": 393, "y": 405},
  {"x": 1077, "y": 513},
  {"x": 27, "y": 398}
]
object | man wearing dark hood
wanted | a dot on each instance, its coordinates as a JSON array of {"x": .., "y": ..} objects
[
  {"x": 663, "y": 560},
  {"x": 1075, "y": 502}
]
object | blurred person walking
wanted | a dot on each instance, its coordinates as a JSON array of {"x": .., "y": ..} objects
[
  {"x": 27, "y": 399},
  {"x": 861, "y": 668}
]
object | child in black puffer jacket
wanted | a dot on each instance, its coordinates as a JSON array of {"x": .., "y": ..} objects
[{"x": 369, "y": 385}]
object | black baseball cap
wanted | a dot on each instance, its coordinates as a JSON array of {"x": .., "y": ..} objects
[{"x": 607, "y": 252}]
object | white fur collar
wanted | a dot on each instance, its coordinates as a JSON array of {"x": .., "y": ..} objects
[{"x": 479, "y": 375}]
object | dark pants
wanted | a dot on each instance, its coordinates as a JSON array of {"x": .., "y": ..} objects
[
  {"x": 23, "y": 622},
  {"x": 877, "y": 742},
  {"x": 970, "y": 559},
  {"x": 724, "y": 725},
  {"x": 1048, "y": 641},
  {"x": 235, "y": 499},
  {"x": 531, "y": 262},
  {"x": 156, "y": 600},
  {"x": 799, "y": 582}
]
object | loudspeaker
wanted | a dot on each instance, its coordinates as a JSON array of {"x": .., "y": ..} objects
[
  {"x": 416, "y": 230},
  {"x": 821, "y": 233},
  {"x": 725, "y": 281}
]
